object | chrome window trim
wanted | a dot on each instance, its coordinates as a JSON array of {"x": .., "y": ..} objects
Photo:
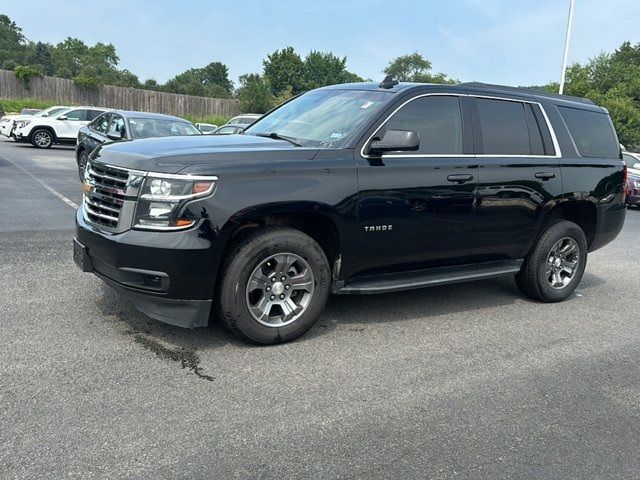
[{"x": 554, "y": 139}]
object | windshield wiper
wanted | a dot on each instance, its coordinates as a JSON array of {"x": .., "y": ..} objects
[{"x": 277, "y": 136}]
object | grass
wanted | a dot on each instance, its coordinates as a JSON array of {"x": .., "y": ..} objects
[
  {"x": 10, "y": 105},
  {"x": 214, "y": 120}
]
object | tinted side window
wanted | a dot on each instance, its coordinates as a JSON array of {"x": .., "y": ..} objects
[
  {"x": 535, "y": 137},
  {"x": 592, "y": 133},
  {"x": 504, "y": 127},
  {"x": 77, "y": 115},
  {"x": 91, "y": 114},
  {"x": 437, "y": 120},
  {"x": 100, "y": 123}
]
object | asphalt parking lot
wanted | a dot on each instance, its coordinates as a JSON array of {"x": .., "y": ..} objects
[{"x": 465, "y": 381}]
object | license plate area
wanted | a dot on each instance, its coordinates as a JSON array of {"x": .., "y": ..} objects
[{"x": 81, "y": 257}]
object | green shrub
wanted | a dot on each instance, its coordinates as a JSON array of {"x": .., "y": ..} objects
[
  {"x": 25, "y": 73},
  {"x": 90, "y": 83},
  {"x": 214, "y": 120}
]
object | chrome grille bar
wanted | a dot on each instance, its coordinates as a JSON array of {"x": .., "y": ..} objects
[{"x": 107, "y": 190}]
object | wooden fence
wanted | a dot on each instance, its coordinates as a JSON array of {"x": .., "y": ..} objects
[{"x": 62, "y": 91}]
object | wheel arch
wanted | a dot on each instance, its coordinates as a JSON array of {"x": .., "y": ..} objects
[
  {"x": 320, "y": 221},
  {"x": 43, "y": 127},
  {"x": 584, "y": 213}
]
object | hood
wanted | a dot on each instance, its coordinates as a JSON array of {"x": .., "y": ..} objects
[
  {"x": 17, "y": 118},
  {"x": 173, "y": 154}
]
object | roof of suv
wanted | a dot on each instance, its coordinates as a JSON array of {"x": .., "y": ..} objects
[
  {"x": 137, "y": 114},
  {"x": 497, "y": 89}
]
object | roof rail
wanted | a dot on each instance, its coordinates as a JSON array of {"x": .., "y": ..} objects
[{"x": 527, "y": 91}]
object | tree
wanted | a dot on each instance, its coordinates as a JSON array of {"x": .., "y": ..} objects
[
  {"x": 255, "y": 94},
  {"x": 125, "y": 78},
  {"x": 151, "y": 84},
  {"x": 41, "y": 57},
  {"x": 210, "y": 81},
  {"x": 283, "y": 69},
  {"x": 68, "y": 57},
  {"x": 217, "y": 74},
  {"x": 12, "y": 42},
  {"x": 414, "y": 68},
  {"x": 612, "y": 80},
  {"x": 322, "y": 69},
  {"x": 350, "y": 77}
]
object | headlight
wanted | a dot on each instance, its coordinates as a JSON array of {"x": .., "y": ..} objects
[
  {"x": 163, "y": 199},
  {"x": 22, "y": 123}
]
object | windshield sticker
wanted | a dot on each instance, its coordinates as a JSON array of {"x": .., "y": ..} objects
[
  {"x": 335, "y": 136},
  {"x": 367, "y": 105}
]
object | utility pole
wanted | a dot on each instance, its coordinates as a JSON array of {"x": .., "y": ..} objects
[{"x": 566, "y": 47}]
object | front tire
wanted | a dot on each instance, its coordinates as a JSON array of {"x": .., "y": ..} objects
[
  {"x": 555, "y": 266},
  {"x": 273, "y": 286},
  {"x": 42, "y": 138}
]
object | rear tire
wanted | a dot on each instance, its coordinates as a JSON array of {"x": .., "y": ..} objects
[
  {"x": 273, "y": 286},
  {"x": 555, "y": 266},
  {"x": 42, "y": 138}
]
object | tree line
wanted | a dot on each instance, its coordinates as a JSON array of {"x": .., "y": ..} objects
[{"x": 610, "y": 79}]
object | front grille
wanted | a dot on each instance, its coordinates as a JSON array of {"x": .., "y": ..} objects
[{"x": 104, "y": 201}]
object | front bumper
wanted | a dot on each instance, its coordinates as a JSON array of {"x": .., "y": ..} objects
[
  {"x": 19, "y": 135},
  {"x": 168, "y": 276}
]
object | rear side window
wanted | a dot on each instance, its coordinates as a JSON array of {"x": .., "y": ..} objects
[
  {"x": 504, "y": 127},
  {"x": 437, "y": 120},
  {"x": 592, "y": 133}
]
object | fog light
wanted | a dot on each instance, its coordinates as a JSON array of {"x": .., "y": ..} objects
[{"x": 153, "y": 281}]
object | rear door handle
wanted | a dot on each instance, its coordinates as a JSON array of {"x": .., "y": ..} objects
[
  {"x": 460, "y": 178},
  {"x": 545, "y": 175}
]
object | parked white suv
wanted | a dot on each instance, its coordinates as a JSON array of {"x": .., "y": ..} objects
[
  {"x": 8, "y": 122},
  {"x": 59, "y": 128},
  {"x": 245, "y": 119}
]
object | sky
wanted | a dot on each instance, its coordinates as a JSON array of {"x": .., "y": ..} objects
[{"x": 510, "y": 42}]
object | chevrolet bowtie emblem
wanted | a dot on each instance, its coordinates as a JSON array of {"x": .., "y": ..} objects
[{"x": 86, "y": 188}]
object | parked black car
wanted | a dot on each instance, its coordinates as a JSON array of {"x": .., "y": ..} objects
[
  {"x": 360, "y": 188},
  {"x": 117, "y": 125}
]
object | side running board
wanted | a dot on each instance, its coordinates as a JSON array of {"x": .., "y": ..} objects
[{"x": 409, "y": 280}]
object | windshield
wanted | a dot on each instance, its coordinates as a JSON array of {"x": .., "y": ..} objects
[
  {"x": 321, "y": 118},
  {"x": 159, "y": 127},
  {"x": 50, "y": 111}
]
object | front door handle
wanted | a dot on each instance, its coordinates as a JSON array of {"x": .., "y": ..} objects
[
  {"x": 460, "y": 178},
  {"x": 545, "y": 175}
]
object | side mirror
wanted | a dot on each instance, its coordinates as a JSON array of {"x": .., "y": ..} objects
[
  {"x": 396, "y": 140},
  {"x": 114, "y": 135},
  {"x": 62, "y": 117}
]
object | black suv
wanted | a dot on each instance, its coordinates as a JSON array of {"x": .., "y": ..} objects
[{"x": 360, "y": 188}]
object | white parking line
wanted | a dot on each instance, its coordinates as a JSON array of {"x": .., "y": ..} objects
[{"x": 66, "y": 200}]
